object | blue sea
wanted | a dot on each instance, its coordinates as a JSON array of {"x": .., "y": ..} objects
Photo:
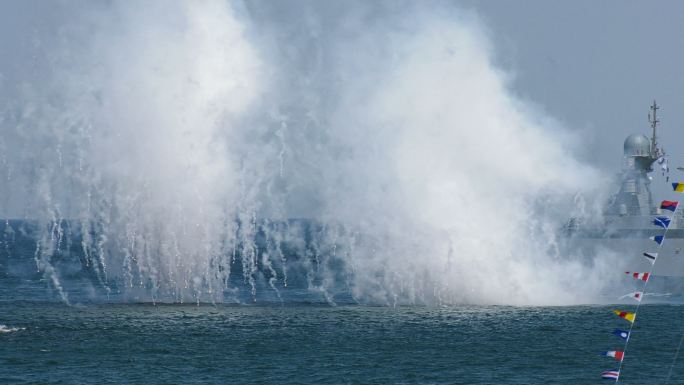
[
  {"x": 299, "y": 337},
  {"x": 44, "y": 341}
]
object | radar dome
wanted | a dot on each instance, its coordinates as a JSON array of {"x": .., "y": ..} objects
[{"x": 637, "y": 145}]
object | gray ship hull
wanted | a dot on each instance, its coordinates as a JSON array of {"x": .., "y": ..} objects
[{"x": 624, "y": 239}]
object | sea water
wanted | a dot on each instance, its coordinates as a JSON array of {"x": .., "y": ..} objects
[
  {"x": 295, "y": 334},
  {"x": 45, "y": 341}
]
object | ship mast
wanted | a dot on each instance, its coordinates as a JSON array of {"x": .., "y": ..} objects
[{"x": 653, "y": 119}]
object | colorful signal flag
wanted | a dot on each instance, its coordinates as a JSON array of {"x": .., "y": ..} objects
[
  {"x": 657, "y": 238},
  {"x": 669, "y": 205},
  {"x": 651, "y": 257},
  {"x": 629, "y": 316},
  {"x": 678, "y": 187},
  {"x": 663, "y": 222},
  {"x": 624, "y": 334},
  {"x": 640, "y": 276},
  {"x": 617, "y": 354},
  {"x": 635, "y": 295},
  {"x": 610, "y": 375}
]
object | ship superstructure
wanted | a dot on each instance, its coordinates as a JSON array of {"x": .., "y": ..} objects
[
  {"x": 640, "y": 153},
  {"x": 627, "y": 222}
]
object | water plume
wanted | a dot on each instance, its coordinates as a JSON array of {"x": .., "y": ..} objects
[
  {"x": 129, "y": 138},
  {"x": 178, "y": 141}
]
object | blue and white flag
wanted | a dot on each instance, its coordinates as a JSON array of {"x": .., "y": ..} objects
[
  {"x": 610, "y": 375},
  {"x": 663, "y": 222},
  {"x": 657, "y": 238},
  {"x": 662, "y": 161},
  {"x": 623, "y": 334}
]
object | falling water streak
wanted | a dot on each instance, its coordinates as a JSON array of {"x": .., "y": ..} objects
[
  {"x": 273, "y": 275},
  {"x": 226, "y": 252},
  {"x": 8, "y": 237},
  {"x": 280, "y": 134},
  {"x": 249, "y": 251},
  {"x": 276, "y": 237}
]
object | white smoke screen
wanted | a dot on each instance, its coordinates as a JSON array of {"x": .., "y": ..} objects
[{"x": 172, "y": 135}]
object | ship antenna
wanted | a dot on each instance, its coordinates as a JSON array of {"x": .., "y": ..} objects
[{"x": 653, "y": 119}]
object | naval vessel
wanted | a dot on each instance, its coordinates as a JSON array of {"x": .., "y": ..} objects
[{"x": 627, "y": 223}]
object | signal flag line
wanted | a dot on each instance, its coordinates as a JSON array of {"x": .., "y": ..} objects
[{"x": 643, "y": 288}]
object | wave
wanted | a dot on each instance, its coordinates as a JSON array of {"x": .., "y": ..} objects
[{"x": 7, "y": 329}]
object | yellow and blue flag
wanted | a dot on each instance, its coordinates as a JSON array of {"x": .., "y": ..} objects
[{"x": 678, "y": 187}]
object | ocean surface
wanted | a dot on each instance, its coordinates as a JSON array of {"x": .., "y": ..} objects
[
  {"x": 296, "y": 336},
  {"x": 48, "y": 342}
]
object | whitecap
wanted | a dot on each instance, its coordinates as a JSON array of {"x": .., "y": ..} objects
[{"x": 6, "y": 329}]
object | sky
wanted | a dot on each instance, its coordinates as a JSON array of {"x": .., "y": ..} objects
[{"x": 596, "y": 66}]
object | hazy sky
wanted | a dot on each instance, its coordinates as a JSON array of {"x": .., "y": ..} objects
[{"x": 596, "y": 66}]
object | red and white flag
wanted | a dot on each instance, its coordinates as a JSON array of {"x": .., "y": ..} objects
[
  {"x": 641, "y": 276},
  {"x": 618, "y": 355}
]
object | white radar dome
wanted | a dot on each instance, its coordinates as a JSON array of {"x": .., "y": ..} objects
[{"x": 637, "y": 145}]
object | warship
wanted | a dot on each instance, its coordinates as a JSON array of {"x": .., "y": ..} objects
[{"x": 627, "y": 224}]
